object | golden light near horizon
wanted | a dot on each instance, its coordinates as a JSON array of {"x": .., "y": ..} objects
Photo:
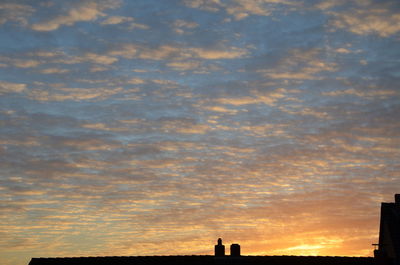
[{"x": 153, "y": 128}]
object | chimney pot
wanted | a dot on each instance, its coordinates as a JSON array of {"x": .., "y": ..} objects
[
  {"x": 235, "y": 250},
  {"x": 219, "y": 250}
]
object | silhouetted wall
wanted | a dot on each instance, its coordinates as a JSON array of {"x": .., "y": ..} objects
[
  {"x": 202, "y": 260},
  {"x": 388, "y": 252}
]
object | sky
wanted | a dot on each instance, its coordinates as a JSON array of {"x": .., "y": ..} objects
[{"x": 154, "y": 127}]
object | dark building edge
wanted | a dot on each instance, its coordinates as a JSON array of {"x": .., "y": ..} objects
[
  {"x": 388, "y": 248},
  {"x": 207, "y": 259}
]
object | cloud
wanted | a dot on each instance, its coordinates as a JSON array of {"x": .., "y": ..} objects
[
  {"x": 131, "y": 51},
  {"x": 380, "y": 19},
  {"x": 95, "y": 58},
  {"x": 20, "y": 63},
  {"x": 239, "y": 101},
  {"x": 135, "y": 81},
  {"x": 12, "y": 12},
  {"x": 300, "y": 64},
  {"x": 25, "y": 63},
  {"x": 257, "y": 97},
  {"x": 177, "y": 53},
  {"x": 180, "y": 26},
  {"x": 75, "y": 94},
  {"x": 95, "y": 69},
  {"x": 184, "y": 126},
  {"x": 91, "y": 144},
  {"x": 133, "y": 150},
  {"x": 284, "y": 192},
  {"x": 112, "y": 20},
  {"x": 54, "y": 71},
  {"x": 84, "y": 11},
  {"x": 50, "y": 58},
  {"x": 240, "y": 9},
  {"x": 305, "y": 111},
  {"x": 159, "y": 53},
  {"x": 46, "y": 54},
  {"x": 370, "y": 93},
  {"x": 208, "y": 5},
  {"x": 185, "y": 24},
  {"x": 128, "y": 51},
  {"x": 138, "y": 26},
  {"x": 342, "y": 50},
  {"x": 243, "y": 8},
  {"x": 328, "y": 4},
  {"x": 213, "y": 54},
  {"x": 220, "y": 109},
  {"x": 115, "y": 20},
  {"x": 102, "y": 127},
  {"x": 28, "y": 141},
  {"x": 8, "y": 87},
  {"x": 184, "y": 65},
  {"x": 100, "y": 59}
]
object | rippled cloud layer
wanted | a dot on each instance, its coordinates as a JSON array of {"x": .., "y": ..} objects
[{"x": 153, "y": 128}]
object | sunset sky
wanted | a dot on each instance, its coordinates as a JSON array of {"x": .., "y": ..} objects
[{"x": 153, "y": 127}]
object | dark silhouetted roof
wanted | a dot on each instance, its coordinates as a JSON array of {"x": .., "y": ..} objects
[
  {"x": 202, "y": 260},
  {"x": 389, "y": 233}
]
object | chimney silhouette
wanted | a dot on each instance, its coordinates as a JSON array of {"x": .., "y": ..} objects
[
  {"x": 235, "y": 250},
  {"x": 219, "y": 249}
]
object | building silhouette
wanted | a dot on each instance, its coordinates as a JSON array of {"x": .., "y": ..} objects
[
  {"x": 205, "y": 260},
  {"x": 219, "y": 249},
  {"x": 235, "y": 250},
  {"x": 387, "y": 252}
]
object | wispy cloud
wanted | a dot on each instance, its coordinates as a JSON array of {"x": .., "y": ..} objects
[
  {"x": 8, "y": 87},
  {"x": 14, "y": 12},
  {"x": 112, "y": 20},
  {"x": 300, "y": 64},
  {"x": 180, "y": 26},
  {"x": 75, "y": 93},
  {"x": 240, "y": 9},
  {"x": 368, "y": 17},
  {"x": 54, "y": 71},
  {"x": 370, "y": 93},
  {"x": 85, "y": 11},
  {"x": 184, "y": 65}
]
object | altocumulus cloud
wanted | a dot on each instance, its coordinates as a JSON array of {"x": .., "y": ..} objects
[{"x": 152, "y": 128}]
